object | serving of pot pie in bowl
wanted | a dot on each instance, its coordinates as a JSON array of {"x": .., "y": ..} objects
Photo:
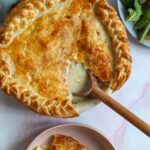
[
  {"x": 62, "y": 142},
  {"x": 47, "y": 46}
]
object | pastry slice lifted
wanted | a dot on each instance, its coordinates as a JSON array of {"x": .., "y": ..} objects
[
  {"x": 62, "y": 142},
  {"x": 39, "y": 41}
]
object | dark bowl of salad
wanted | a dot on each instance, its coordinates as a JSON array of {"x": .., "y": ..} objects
[{"x": 135, "y": 14}]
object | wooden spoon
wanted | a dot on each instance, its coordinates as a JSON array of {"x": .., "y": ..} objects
[{"x": 94, "y": 89}]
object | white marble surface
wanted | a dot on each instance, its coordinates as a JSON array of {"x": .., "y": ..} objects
[{"x": 19, "y": 125}]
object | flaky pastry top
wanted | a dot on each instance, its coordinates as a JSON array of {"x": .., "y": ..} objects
[{"x": 40, "y": 38}]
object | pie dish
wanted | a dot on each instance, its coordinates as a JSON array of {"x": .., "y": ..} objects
[
  {"x": 62, "y": 142},
  {"x": 41, "y": 40}
]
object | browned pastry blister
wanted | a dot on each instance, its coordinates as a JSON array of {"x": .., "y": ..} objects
[{"x": 40, "y": 38}]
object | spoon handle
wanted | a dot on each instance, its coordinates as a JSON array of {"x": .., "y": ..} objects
[{"x": 120, "y": 109}]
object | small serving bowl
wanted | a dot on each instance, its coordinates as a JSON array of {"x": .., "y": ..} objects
[
  {"x": 129, "y": 25},
  {"x": 86, "y": 135}
]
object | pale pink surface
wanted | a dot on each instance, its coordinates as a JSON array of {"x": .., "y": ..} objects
[{"x": 19, "y": 125}]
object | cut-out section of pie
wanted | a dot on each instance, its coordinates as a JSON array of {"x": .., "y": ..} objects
[
  {"x": 62, "y": 142},
  {"x": 40, "y": 40}
]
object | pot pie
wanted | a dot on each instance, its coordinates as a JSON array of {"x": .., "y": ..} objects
[
  {"x": 46, "y": 46},
  {"x": 62, "y": 142}
]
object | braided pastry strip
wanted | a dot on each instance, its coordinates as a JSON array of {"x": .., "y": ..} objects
[
  {"x": 115, "y": 29},
  {"x": 37, "y": 103},
  {"x": 21, "y": 16}
]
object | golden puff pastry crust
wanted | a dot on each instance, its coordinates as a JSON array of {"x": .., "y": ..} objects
[
  {"x": 61, "y": 142},
  {"x": 40, "y": 38}
]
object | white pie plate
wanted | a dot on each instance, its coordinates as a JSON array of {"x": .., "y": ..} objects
[{"x": 86, "y": 135}]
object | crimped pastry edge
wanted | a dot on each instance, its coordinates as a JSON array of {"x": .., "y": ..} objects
[
  {"x": 17, "y": 22},
  {"x": 122, "y": 68},
  {"x": 37, "y": 103}
]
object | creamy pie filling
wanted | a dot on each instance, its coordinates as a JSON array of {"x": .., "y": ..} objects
[{"x": 77, "y": 80}]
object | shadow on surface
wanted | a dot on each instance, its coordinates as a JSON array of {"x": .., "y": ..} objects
[
  {"x": 11, "y": 103},
  {"x": 24, "y": 143}
]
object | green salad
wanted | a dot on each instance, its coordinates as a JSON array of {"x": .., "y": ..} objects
[{"x": 139, "y": 14}]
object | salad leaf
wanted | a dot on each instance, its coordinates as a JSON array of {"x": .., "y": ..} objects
[
  {"x": 145, "y": 19},
  {"x": 135, "y": 14},
  {"x": 144, "y": 33},
  {"x": 138, "y": 7},
  {"x": 139, "y": 14},
  {"x": 141, "y": 24}
]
